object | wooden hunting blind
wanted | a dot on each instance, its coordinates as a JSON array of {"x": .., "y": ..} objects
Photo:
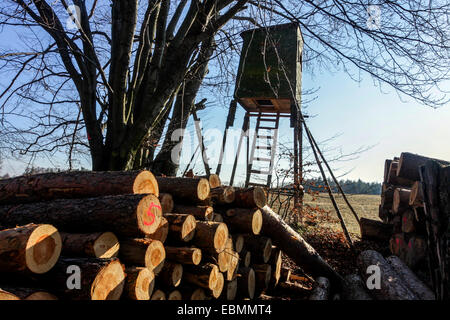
[
  {"x": 270, "y": 69},
  {"x": 268, "y": 87}
]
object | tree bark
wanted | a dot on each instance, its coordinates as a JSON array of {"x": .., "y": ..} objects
[
  {"x": 354, "y": 288},
  {"x": 76, "y": 184},
  {"x": 199, "y": 212},
  {"x": 101, "y": 279},
  {"x": 184, "y": 189},
  {"x": 411, "y": 280},
  {"x": 401, "y": 200},
  {"x": 170, "y": 275},
  {"x": 190, "y": 256},
  {"x": 124, "y": 215},
  {"x": 230, "y": 290},
  {"x": 94, "y": 245},
  {"x": 211, "y": 236},
  {"x": 321, "y": 289},
  {"x": 167, "y": 204},
  {"x": 293, "y": 245},
  {"x": 244, "y": 220},
  {"x": 396, "y": 180},
  {"x": 139, "y": 284},
  {"x": 246, "y": 283},
  {"x": 161, "y": 233},
  {"x": 263, "y": 273},
  {"x": 204, "y": 276},
  {"x": 16, "y": 293},
  {"x": 416, "y": 196},
  {"x": 392, "y": 287},
  {"x": 260, "y": 247},
  {"x": 33, "y": 248},
  {"x": 181, "y": 226},
  {"x": 375, "y": 230},
  {"x": 250, "y": 198},
  {"x": 143, "y": 252},
  {"x": 409, "y": 163},
  {"x": 275, "y": 261}
]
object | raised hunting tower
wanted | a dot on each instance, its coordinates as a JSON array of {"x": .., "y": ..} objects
[{"x": 268, "y": 86}]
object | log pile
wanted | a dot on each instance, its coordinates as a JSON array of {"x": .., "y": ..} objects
[
  {"x": 415, "y": 212},
  {"x": 130, "y": 235}
]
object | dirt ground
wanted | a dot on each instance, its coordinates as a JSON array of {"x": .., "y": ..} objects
[{"x": 323, "y": 231}]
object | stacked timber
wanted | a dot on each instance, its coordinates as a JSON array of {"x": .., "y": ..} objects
[
  {"x": 135, "y": 236},
  {"x": 415, "y": 214}
]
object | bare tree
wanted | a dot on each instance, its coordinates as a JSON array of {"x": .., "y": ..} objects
[{"x": 105, "y": 84}]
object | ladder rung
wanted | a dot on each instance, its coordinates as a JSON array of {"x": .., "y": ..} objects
[
  {"x": 266, "y": 128},
  {"x": 257, "y": 184},
  {"x": 263, "y": 159},
  {"x": 264, "y": 137},
  {"x": 267, "y": 119},
  {"x": 260, "y": 172},
  {"x": 264, "y": 147}
]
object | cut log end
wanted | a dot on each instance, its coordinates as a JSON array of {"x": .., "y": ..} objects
[
  {"x": 231, "y": 290},
  {"x": 175, "y": 295},
  {"x": 203, "y": 189},
  {"x": 221, "y": 237},
  {"x": 109, "y": 283},
  {"x": 167, "y": 203},
  {"x": 149, "y": 214},
  {"x": 238, "y": 241},
  {"x": 220, "y": 281},
  {"x": 158, "y": 295},
  {"x": 145, "y": 182},
  {"x": 214, "y": 181},
  {"x": 106, "y": 246},
  {"x": 43, "y": 248},
  {"x": 155, "y": 255},
  {"x": 140, "y": 283},
  {"x": 188, "y": 228}
]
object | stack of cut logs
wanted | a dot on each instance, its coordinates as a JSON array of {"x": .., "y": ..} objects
[
  {"x": 131, "y": 235},
  {"x": 410, "y": 216}
]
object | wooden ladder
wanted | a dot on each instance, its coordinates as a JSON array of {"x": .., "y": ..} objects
[{"x": 263, "y": 123}]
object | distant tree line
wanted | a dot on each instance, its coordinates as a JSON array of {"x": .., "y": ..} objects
[{"x": 349, "y": 186}]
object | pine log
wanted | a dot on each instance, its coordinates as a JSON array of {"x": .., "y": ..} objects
[
  {"x": 245, "y": 258},
  {"x": 409, "y": 163},
  {"x": 321, "y": 289},
  {"x": 217, "y": 217},
  {"x": 181, "y": 226},
  {"x": 263, "y": 273},
  {"x": 241, "y": 220},
  {"x": 387, "y": 197},
  {"x": 94, "y": 245},
  {"x": 293, "y": 245},
  {"x": 174, "y": 295},
  {"x": 230, "y": 290},
  {"x": 204, "y": 276},
  {"x": 158, "y": 295},
  {"x": 192, "y": 293},
  {"x": 223, "y": 195},
  {"x": 189, "y": 256},
  {"x": 101, "y": 279},
  {"x": 401, "y": 200},
  {"x": 139, "y": 284},
  {"x": 166, "y": 201},
  {"x": 213, "y": 179},
  {"x": 223, "y": 258},
  {"x": 143, "y": 252},
  {"x": 16, "y": 293},
  {"x": 32, "y": 248},
  {"x": 233, "y": 260},
  {"x": 410, "y": 279},
  {"x": 384, "y": 214},
  {"x": 161, "y": 233},
  {"x": 416, "y": 251},
  {"x": 392, "y": 287},
  {"x": 354, "y": 288},
  {"x": 387, "y": 166},
  {"x": 170, "y": 275},
  {"x": 246, "y": 279},
  {"x": 238, "y": 242},
  {"x": 275, "y": 261},
  {"x": 211, "y": 236},
  {"x": 217, "y": 291},
  {"x": 75, "y": 184},
  {"x": 199, "y": 212},
  {"x": 260, "y": 247},
  {"x": 375, "y": 230},
  {"x": 416, "y": 195},
  {"x": 124, "y": 215},
  {"x": 408, "y": 221},
  {"x": 394, "y": 179},
  {"x": 187, "y": 189},
  {"x": 250, "y": 198},
  {"x": 397, "y": 245}
]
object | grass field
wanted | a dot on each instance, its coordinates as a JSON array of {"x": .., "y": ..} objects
[{"x": 364, "y": 205}]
